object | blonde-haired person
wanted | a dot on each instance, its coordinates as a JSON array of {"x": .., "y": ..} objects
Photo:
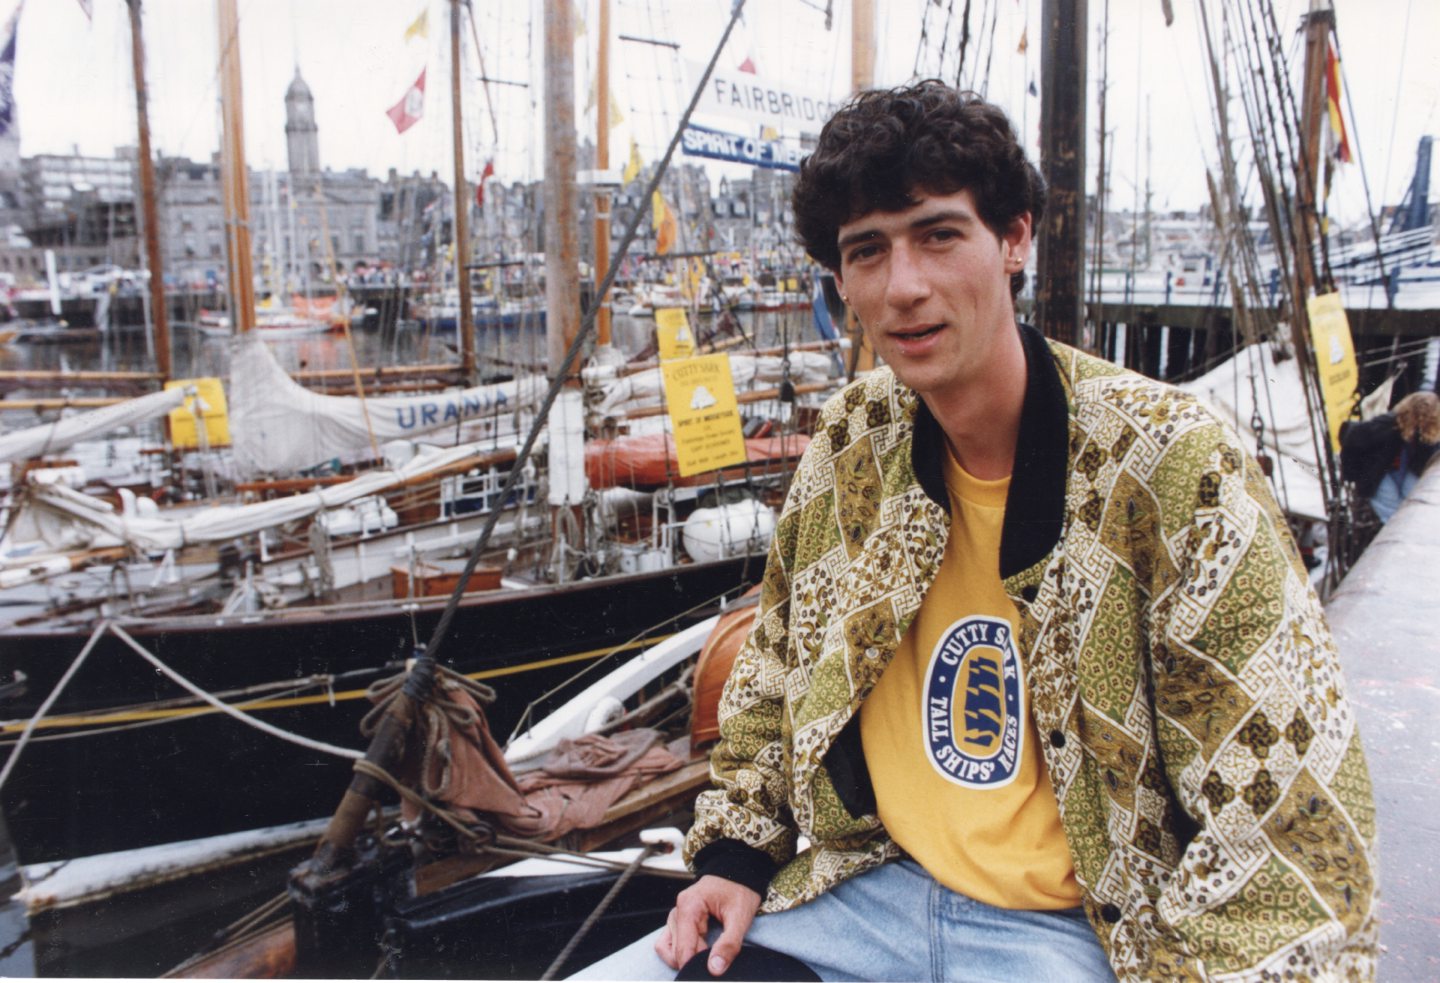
[{"x": 1386, "y": 456}]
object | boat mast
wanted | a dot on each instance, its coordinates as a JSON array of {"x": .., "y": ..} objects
[
  {"x": 602, "y": 164},
  {"x": 465, "y": 321},
  {"x": 236, "y": 192},
  {"x": 159, "y": 313},
  {"x": 562, "y": 251},
  {"x": 1060, "y": 261},
  {"x": 862, "y": 77},
  {"x": 1318, "y": 24}
]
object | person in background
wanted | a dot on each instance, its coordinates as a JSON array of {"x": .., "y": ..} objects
[
  {"x": 1038, "y": 688},
  {"x": 1385, "y": 455}
]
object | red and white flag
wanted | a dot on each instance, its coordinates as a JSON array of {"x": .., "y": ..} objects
[
  {"x": 405, "y": 113},
  {"x": 488, "y": 172}
]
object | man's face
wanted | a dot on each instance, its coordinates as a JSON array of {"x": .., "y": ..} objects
[{"x": 931, "y": 286}]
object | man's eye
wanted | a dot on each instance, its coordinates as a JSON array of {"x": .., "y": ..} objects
[
  {"x": 863, "y": 252},
  {"x": 943, "y": 235}
]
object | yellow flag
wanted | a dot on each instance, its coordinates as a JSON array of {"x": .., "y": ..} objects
[
  {"x": 1024, "y": 41},
  {"x": 662, "y": 220},
  {"x": 420, "y": 27},
  {"x": 633, "y": 165},
  {"x": 614, "y": 107}
]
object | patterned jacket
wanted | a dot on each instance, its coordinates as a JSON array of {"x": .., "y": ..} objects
[{"x": 1181, "y": 675}]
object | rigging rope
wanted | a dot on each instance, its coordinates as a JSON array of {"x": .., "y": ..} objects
[
  {"x": 227, "y": 709},
  {"x": 600, "y": 909},
  {"x": 587, "y": 326},
  {"x": 50, "y": 701}
]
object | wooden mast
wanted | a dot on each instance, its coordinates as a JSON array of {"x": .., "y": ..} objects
[
  {"x": 236, "y": 192},
  {"x": 465, "y": 321},
  {"x": 1318, "y": 24},
  {"x": 1060, "y": 262},
  {"x": 159, "y": 313},
  {"x": 862, "y": 77},
  {"x": 562, "y": 251},
  {"x": 602, "y": 164}
]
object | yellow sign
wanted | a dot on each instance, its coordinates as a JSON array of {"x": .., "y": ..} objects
[
  {"x": 704, "y": 416},
  {"x": 1334, "y": 359},
  {"x": 672, "y": 333},
  {"x": 183, "y": 432}
]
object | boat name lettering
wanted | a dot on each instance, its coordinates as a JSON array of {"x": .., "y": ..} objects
[
  {"x": 421, "y": 415},
  {"x": 699, "y": 141}
]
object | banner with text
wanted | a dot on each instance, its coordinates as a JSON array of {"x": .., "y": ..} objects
[
  {"x": 672, "y": 333},
  {"x": 701, "y": 142},
  {"x": 741, "y": 95},
  {"x": 1334, "y": 359},
  {"x": 704, "y": 414}
]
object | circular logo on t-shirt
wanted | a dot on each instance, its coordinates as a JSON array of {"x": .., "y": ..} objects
[{"x": 974, "y": 704}]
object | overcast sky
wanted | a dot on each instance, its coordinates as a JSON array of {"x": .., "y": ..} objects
[{"x": 73, "y": 78}]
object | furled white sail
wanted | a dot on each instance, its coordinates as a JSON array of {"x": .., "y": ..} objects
[
  {"x": 51, "y": 437},
  {"x": 279, "y": 427},
  {"x": 643, "y": 389},
  {"x": 91, "y": 522},
  {"x": 1232, "y": 390}
]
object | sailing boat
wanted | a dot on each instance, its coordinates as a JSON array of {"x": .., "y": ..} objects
[{"x": 186, "y": 689}]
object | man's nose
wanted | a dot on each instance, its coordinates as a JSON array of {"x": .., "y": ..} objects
[{"x": 907, "y": 282}]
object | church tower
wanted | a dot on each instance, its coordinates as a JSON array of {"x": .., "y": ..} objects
[{"x": 302, "y": 136}]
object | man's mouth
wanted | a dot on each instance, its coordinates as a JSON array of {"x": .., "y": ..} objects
[{"x": 915, "y": 334}]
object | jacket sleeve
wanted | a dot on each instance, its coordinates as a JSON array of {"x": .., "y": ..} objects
[
  {"x": 1257, "y": 739},
  {"x": 743, "y": 827}
]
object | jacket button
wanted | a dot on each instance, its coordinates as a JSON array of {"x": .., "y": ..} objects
[
  {"x": 872, "y": 653},
  {"x": 1029, "y": 592},
  {"x": 1110, "y": 913},
  {"x": 1057, "y": 739}
]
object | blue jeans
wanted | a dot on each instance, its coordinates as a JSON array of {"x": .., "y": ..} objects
[
  {"x": 897, "y": 923},
  {"x": 1391, "y": 492}
]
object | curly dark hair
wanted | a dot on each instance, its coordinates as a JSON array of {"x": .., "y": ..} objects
[{"x": 884, "y": 145}]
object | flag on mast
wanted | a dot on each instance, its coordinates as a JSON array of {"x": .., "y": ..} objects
[
  {"x": 1340, "y": 137},
  {"x": 633, "y": 165},
  {"x": 488, "y": 172},
  {"x": 407, "y": 112},
  {"x": 663, "y": 221},
  {"x": 419, "y": 27}
]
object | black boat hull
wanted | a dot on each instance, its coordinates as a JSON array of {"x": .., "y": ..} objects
[{"x": 147, "y": 776}]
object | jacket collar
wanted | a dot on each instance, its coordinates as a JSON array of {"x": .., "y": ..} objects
[{"x": 1035, "y": 505}]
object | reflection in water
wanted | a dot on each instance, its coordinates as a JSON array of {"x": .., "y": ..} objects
[
  {"x": 499, "y": 350},
  {"x": 17, "y": 951}
]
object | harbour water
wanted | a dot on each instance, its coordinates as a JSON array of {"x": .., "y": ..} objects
[{"x": 195, "y": 353}]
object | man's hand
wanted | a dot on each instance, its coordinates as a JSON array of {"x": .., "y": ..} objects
[{"x": 733, "y": 905}]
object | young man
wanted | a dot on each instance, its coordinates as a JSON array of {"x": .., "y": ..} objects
[{"x": 1037, "y": 670}]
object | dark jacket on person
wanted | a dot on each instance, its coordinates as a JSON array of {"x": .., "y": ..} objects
[{"x": 1371, "y": 449}]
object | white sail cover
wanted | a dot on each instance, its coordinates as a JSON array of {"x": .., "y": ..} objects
[
  {"x": 1231, "y": 390},
  {"x": 278, "y": 426},
  {"x": 51, "y": 437},
  {"x": 646, "y": 388},
  {"x": 88, "y": 522}
]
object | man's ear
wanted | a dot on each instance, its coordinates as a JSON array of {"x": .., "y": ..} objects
[{"x": 1017, "y": 241}]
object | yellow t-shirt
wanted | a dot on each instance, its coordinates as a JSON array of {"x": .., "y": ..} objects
[{"x": 959, "y": 777}]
